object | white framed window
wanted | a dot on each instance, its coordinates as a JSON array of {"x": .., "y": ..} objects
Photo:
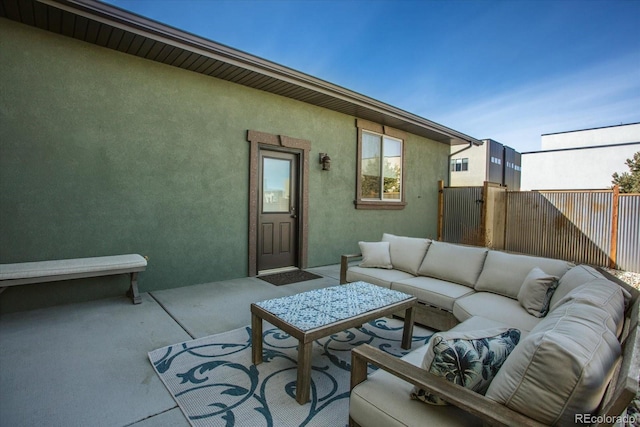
[
  {"x": 459, "y": 165},
  {"x": 380, "y": 183}
]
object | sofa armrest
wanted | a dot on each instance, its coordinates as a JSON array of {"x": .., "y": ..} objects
[
  {"x": 624, "y": 385},
  {"x": 344, "y": 266},
  {"x": 627, "y": 288},
  {"x": 488, "y": 410}
]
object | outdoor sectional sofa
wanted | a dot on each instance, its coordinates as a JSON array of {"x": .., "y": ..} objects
[{"x": 565, "y": 339}]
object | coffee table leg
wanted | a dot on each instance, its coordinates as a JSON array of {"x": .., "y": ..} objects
[
  {"x": 256, "y": 339},
  {"x": 407, "y": 333},
  {"x": 303, "y": 384}
]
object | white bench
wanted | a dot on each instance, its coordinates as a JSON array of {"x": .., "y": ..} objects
[{"x": 25, "y": 273}]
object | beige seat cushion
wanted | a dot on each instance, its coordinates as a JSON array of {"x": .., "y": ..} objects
[
  {"x": 504, "y": 273},
  {"x": 376, "y": 276},
  {"x": 454, "y": 263},
  {"x": 561, "y": 368},
  {"x": 476, "y": 323},
  {"x": 495, "y": 307},
  {"x": 383, "y": 401},
  {"x": 407, "y": 253},
  {"x": 434, "y": 292}
]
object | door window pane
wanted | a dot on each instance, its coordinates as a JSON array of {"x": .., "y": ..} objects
[{"x": 276, "y": 185}]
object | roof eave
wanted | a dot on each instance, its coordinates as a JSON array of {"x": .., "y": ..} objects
[{"x": 330, "y": 96}]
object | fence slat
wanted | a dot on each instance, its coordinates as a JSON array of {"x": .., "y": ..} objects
[{"x": 628, "y": 251}]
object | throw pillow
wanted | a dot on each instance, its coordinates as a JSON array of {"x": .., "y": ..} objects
[
  {"x": 470, "y": 359},
  {"x": 375, "y": 255},
  {"x": 536, "y": 292}
]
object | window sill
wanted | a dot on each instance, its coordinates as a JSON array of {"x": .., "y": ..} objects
[{"x": 381, "y": 205}]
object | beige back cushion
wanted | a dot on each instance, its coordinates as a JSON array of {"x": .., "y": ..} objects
[
  {"x": 561, "y": 368},
  {"x": 454, "y": 263},
  {"x": 504, "y": 273},
  {"x": 576, "y": 276},
  {"x": 603, "y": 294},
  {"x": 406, "y": 252}
]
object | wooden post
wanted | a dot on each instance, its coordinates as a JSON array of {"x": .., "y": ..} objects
[
  {"x": 613, "y": 255},
  {"x": 484, "y": 239},
  {"x": 440, "y": 208}
]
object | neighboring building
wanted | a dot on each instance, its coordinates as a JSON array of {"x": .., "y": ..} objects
[
  {"x": 581, "y": 159},
  {"x": 119, "y": 134},
  {"x": 491, "y": 161}
]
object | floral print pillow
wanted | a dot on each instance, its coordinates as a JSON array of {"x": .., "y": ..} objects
[{"x": 470, "y": 362}]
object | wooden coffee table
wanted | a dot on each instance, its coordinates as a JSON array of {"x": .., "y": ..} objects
[{"x": 312, "y": 315}]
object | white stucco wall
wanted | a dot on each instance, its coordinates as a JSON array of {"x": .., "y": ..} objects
[
  {"x": 477, "y": 173},
  {"x": 591, "y": 137},
  {"x": 575, "y": 169}
]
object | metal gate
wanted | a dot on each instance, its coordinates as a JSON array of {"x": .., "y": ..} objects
[{"x": 462, "y": 211}]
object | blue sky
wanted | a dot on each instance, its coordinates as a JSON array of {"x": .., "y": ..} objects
[{"x": 506, "y": 70}]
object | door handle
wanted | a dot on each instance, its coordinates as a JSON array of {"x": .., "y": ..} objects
[{"x": 292, "y": 211}]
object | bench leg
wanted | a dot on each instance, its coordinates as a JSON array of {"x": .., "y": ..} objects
[{"x": 133, "y": 289}]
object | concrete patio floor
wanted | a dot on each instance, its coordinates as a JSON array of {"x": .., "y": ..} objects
[{"x": 86, "y": 364}]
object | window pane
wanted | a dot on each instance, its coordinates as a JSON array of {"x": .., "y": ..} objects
[
  {"x": 371, "y": 145},
  {"x": 392, "y": 168},
  {"x": 276, "y": 180}
]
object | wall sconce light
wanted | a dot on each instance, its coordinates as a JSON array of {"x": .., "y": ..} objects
[{"x": 325, "y": 161}]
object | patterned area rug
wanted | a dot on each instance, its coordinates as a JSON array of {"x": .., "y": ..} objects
[{"x": 215, "y": 384}]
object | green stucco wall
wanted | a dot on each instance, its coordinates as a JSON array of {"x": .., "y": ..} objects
[{"x": 102, "y": 153}]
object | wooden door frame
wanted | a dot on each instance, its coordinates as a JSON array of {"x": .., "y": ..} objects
[{"x": 300, "y": 147}]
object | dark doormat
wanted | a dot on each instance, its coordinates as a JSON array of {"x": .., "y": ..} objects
[{"x": 289, "y": 277}]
